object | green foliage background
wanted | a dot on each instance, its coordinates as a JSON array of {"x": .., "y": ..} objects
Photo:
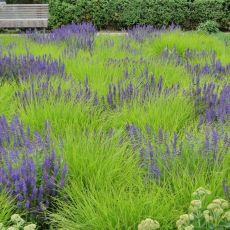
[{"x": 118, "y": 14}]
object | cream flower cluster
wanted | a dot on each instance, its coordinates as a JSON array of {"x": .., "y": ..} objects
[
  {"x": 148, "y": 224},
  {"x": 201, "y": 192},
  {"x": 215, "y": 215},
  {"x": 18, "y": 224},
  {"x": 195, "y": 205},
  {"x": 184, "y": 222},
  {"x": 226, "y": 216},
  {"x": 217, "y": 210}
]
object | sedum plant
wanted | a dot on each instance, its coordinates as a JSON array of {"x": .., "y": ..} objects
[
  {"x": 148, "y": 224},
  {"x": 17, "y": 223},
  {"x": 215, "y": 216}
]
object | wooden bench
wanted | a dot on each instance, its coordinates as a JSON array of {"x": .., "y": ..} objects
[{"x": 24, "y": 15}]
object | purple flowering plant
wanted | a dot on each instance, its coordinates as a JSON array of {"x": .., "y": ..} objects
[
  {"x": 24, "y": 67},
  {"x": 158, "y": 150},
  {"x": 210, "y": 65},
  {"x": 30, "y": 169},
  {"x": 211, "y": 101},
  {"x": 77, "y": 36},
  {"x": 124, "y": 91},
  {"x": 142, "y": 32}
]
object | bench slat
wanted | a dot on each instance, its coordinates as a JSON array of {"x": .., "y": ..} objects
[
  {"x": 27, "y": 17},
  {"x": 23, "y": 5},
  {"x": 26, "y": 12},
  {"x": 15, "y": 12},
  {"x": 31, "y": 12},
  {"x": 24, "y": 8},
  {"x": 24, "y": 15},
  {"x": 26, "y": 23},
  {"x": 21, "y": 9},
  {"x": 21, "y": 14}
]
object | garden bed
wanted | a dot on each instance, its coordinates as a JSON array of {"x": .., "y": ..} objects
[{"x": 102, "y": 132}]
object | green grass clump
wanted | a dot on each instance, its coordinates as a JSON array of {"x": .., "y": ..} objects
[{"x": 7, "y": 208}]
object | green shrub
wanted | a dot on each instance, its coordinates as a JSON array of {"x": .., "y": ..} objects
[
  {"x": 208, "y": 27},
  {"x": 118, "y": 14}
]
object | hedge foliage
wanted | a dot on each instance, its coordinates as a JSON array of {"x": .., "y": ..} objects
[
  {"x": 208, "y": 27},
  {"x": 118, "y": 14}
]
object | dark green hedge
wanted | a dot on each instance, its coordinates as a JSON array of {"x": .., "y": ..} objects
[{"x": 118, "y": 14}]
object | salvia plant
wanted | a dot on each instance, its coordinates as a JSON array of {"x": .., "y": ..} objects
[
  {"x": 7, "y": 48},
  {"x": 22, "y": 68},
  {"x": 125, "y": 91},
  {"x": 17, "y": 223},
  {"x": 172, "y": 55},
  {"x": 45, "y": 90},
  {"x": 141, "y": 89},
  {"x": 128, "y": 61},
  {"x": 226, "y": 188},
  {"x": 211, "y": 101},
  {"x": 141, "y": 32},
  {"x": 215, "y": 68},
  {"x": 158, "y": 150},
  {"x": 79, "y": 35},
  {"x": 108, "y": 43},
  {"x": 212, "y": 67},
  {"x": 128, "y": 47},
  {"x": 30, "y": 170}
]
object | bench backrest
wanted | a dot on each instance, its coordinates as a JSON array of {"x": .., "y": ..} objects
[{"x": 24, "y": 15}]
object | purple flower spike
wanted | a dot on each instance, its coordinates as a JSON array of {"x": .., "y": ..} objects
[{"x": 32, "y": 177}]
